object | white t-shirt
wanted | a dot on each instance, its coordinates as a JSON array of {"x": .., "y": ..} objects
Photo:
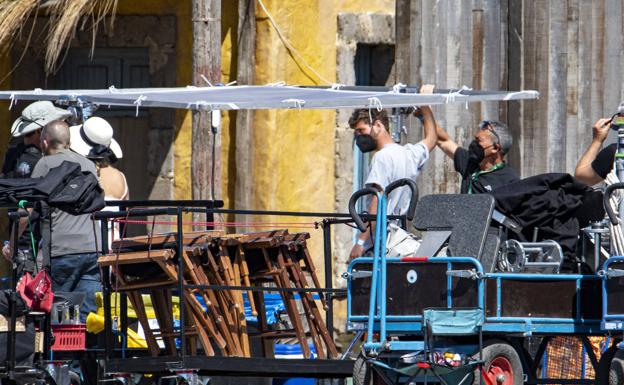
[{"x": 394, "y": 162}]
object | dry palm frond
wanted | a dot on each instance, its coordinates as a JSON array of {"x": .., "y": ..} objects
[
  {"x": 66, "y": 16},
  {"x": 14, "y": 15}
]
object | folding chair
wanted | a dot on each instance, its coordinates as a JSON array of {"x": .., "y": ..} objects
[{"x": 448, "y": 322}]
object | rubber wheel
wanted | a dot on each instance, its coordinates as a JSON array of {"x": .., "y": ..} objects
[
  {"x": 502, "y": 366},
  {"x": 616, "y": 372},
  {"x": 362, "y": 371},
  {"x": 610, "y": 367},
  {"x": 74, "y": 378}
]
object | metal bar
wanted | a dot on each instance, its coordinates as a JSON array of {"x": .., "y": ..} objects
[
  {"x": 329, "y": 284},
  {"x": 449, "y": 285},
  {"x": 541, "y": 277},
  {"x": 167, "y": 203},
  {"x": 373, "y": 291},
  {"x": 13, "y": 300},
  {"x": 288, "y": 213},
  {"x": 235, "y": 366},
  {"x": 106, "y": 292},
  {"x": 266, "y": 289},
  {"x": 384, "y": 275},
  {"x": 180, "y": 250},
  {"x": 577, "y": 314},
  {"x": 133, "y": 213},
  {"x": 123, "y": 302}
]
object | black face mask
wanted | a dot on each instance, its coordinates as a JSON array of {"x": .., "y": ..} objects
[
  {"x": 476, "y": 152},
  {"x": 365, "y": 142}
]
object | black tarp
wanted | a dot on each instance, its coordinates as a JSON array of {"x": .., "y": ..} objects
[{"x": 557, "y": 204}]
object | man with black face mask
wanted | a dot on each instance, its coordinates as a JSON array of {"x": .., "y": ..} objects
[
  {"x": 482, "y": 165},
  {"x": 391, "y": 161}
]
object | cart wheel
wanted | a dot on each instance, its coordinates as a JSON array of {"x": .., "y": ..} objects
[
  {"x": 610, "y": 367},
  {"x": 502, "y": 366},
  {"x": 616, "y": 373},
  {"x": 74, "y": 378},
  {"x": 361, "y": 371}
]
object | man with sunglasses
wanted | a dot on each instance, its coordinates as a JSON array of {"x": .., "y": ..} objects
[
  {"x": 482, "y": 165},
  {"x": 20, "y": 160}
]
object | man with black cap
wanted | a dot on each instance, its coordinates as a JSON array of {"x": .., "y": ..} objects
[{"x": 20, "y": 160}]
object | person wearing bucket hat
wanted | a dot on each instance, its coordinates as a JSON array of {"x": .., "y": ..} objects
[
  {"x": 94, "y": 140},
  {"x": 21, "y": 159}
]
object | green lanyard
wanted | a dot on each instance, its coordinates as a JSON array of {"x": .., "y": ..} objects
[{"x": 476, "y": 175}]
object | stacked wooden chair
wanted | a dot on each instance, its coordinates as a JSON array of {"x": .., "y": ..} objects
[{"x": 222, "y": 267}]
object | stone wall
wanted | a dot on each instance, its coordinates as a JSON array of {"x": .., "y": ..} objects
[{"x": 353, "y": 28}]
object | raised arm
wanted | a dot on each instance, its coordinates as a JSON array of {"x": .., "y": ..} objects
[
  {"x": 443, "y": 140},
  {"x": 584, "y": 170},
  {"x": 429, "y": 125}
]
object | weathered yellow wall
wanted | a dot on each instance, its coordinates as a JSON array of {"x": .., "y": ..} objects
[{"x": 294, "y": 150}]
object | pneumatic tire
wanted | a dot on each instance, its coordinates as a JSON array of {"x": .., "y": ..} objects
[{"x": 501, "y": 365}]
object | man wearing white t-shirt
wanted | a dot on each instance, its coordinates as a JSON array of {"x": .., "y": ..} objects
[{"x": 391, "y": 161}]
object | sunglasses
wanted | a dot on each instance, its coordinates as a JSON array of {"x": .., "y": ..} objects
[{"x": 486, "y": 125}]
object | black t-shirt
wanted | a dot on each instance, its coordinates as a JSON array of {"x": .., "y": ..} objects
[
  {"x": 485, "y": 182},
  {"x": 603, "y": 164},
  {"x": 20, "y": 161}
]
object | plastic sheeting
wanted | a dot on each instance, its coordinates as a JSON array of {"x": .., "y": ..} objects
[{"x": 264, "y": 97}]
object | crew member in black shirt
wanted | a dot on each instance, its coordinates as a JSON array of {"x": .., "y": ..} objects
[
  {"x": 596, "y": 164},
  {"x": 20, "y": 159},
  {"x": 482, "y": 165}
]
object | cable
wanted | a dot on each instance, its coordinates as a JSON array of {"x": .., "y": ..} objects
[{"x": 292, "y": 50}]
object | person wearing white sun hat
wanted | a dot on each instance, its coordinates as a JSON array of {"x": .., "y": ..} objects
[
  {"x": 20, "y": 159},
  {"x": 94, "y": 140}
]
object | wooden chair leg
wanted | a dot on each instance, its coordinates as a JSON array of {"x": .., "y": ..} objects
[
  {"x": 317, "y": 320},
  {"x": 164, "y": 317},
  {"x": 139, "y": 309},
  {"x": 291, "y": 306}
]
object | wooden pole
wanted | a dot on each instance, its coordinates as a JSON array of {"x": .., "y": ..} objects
[
  {"x": 244, "y": 118},
  {"x": 206, "y": 144}
]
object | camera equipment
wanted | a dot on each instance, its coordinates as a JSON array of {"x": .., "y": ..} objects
[
  {"x": 80, "y": 109},
  {"x": 530, "y": 257},
  {"x": 617, "y": 120}
]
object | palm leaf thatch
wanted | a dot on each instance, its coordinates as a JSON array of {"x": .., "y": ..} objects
[
  {"x": 14, "y": 14},
  {"x": 65, "y": 18}
]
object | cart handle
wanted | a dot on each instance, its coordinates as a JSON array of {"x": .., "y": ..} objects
[
  {"x": 359, "y": 222},
  {"x": 411, "y": 210},
  {"x": 607, "y": 205}
]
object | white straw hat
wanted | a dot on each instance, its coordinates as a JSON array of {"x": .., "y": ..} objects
[
  {"x": 35, "y": 116},
  {"x": 92, "y": 132}
]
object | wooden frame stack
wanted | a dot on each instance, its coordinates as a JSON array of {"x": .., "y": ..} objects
[{"x": 215, "y": 263}]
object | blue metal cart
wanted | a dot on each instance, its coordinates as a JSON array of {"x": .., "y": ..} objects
[{"x": 392, "y": 299}]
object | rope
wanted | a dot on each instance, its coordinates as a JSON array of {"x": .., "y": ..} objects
[
  {"x": 397, "y": 88},
  {"x": 138, "y": 102},
  {"x": 297, "y": 103},
  {"x": 11, "y": 100},
  {"x": 450, "y": 97},
  {"x": 289, "y": 46}
]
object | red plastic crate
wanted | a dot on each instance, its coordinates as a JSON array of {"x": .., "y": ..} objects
[{"x": 69, "y": 337}]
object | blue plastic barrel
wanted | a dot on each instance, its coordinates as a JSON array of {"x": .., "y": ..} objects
[{"x": 292, "y": 351}]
